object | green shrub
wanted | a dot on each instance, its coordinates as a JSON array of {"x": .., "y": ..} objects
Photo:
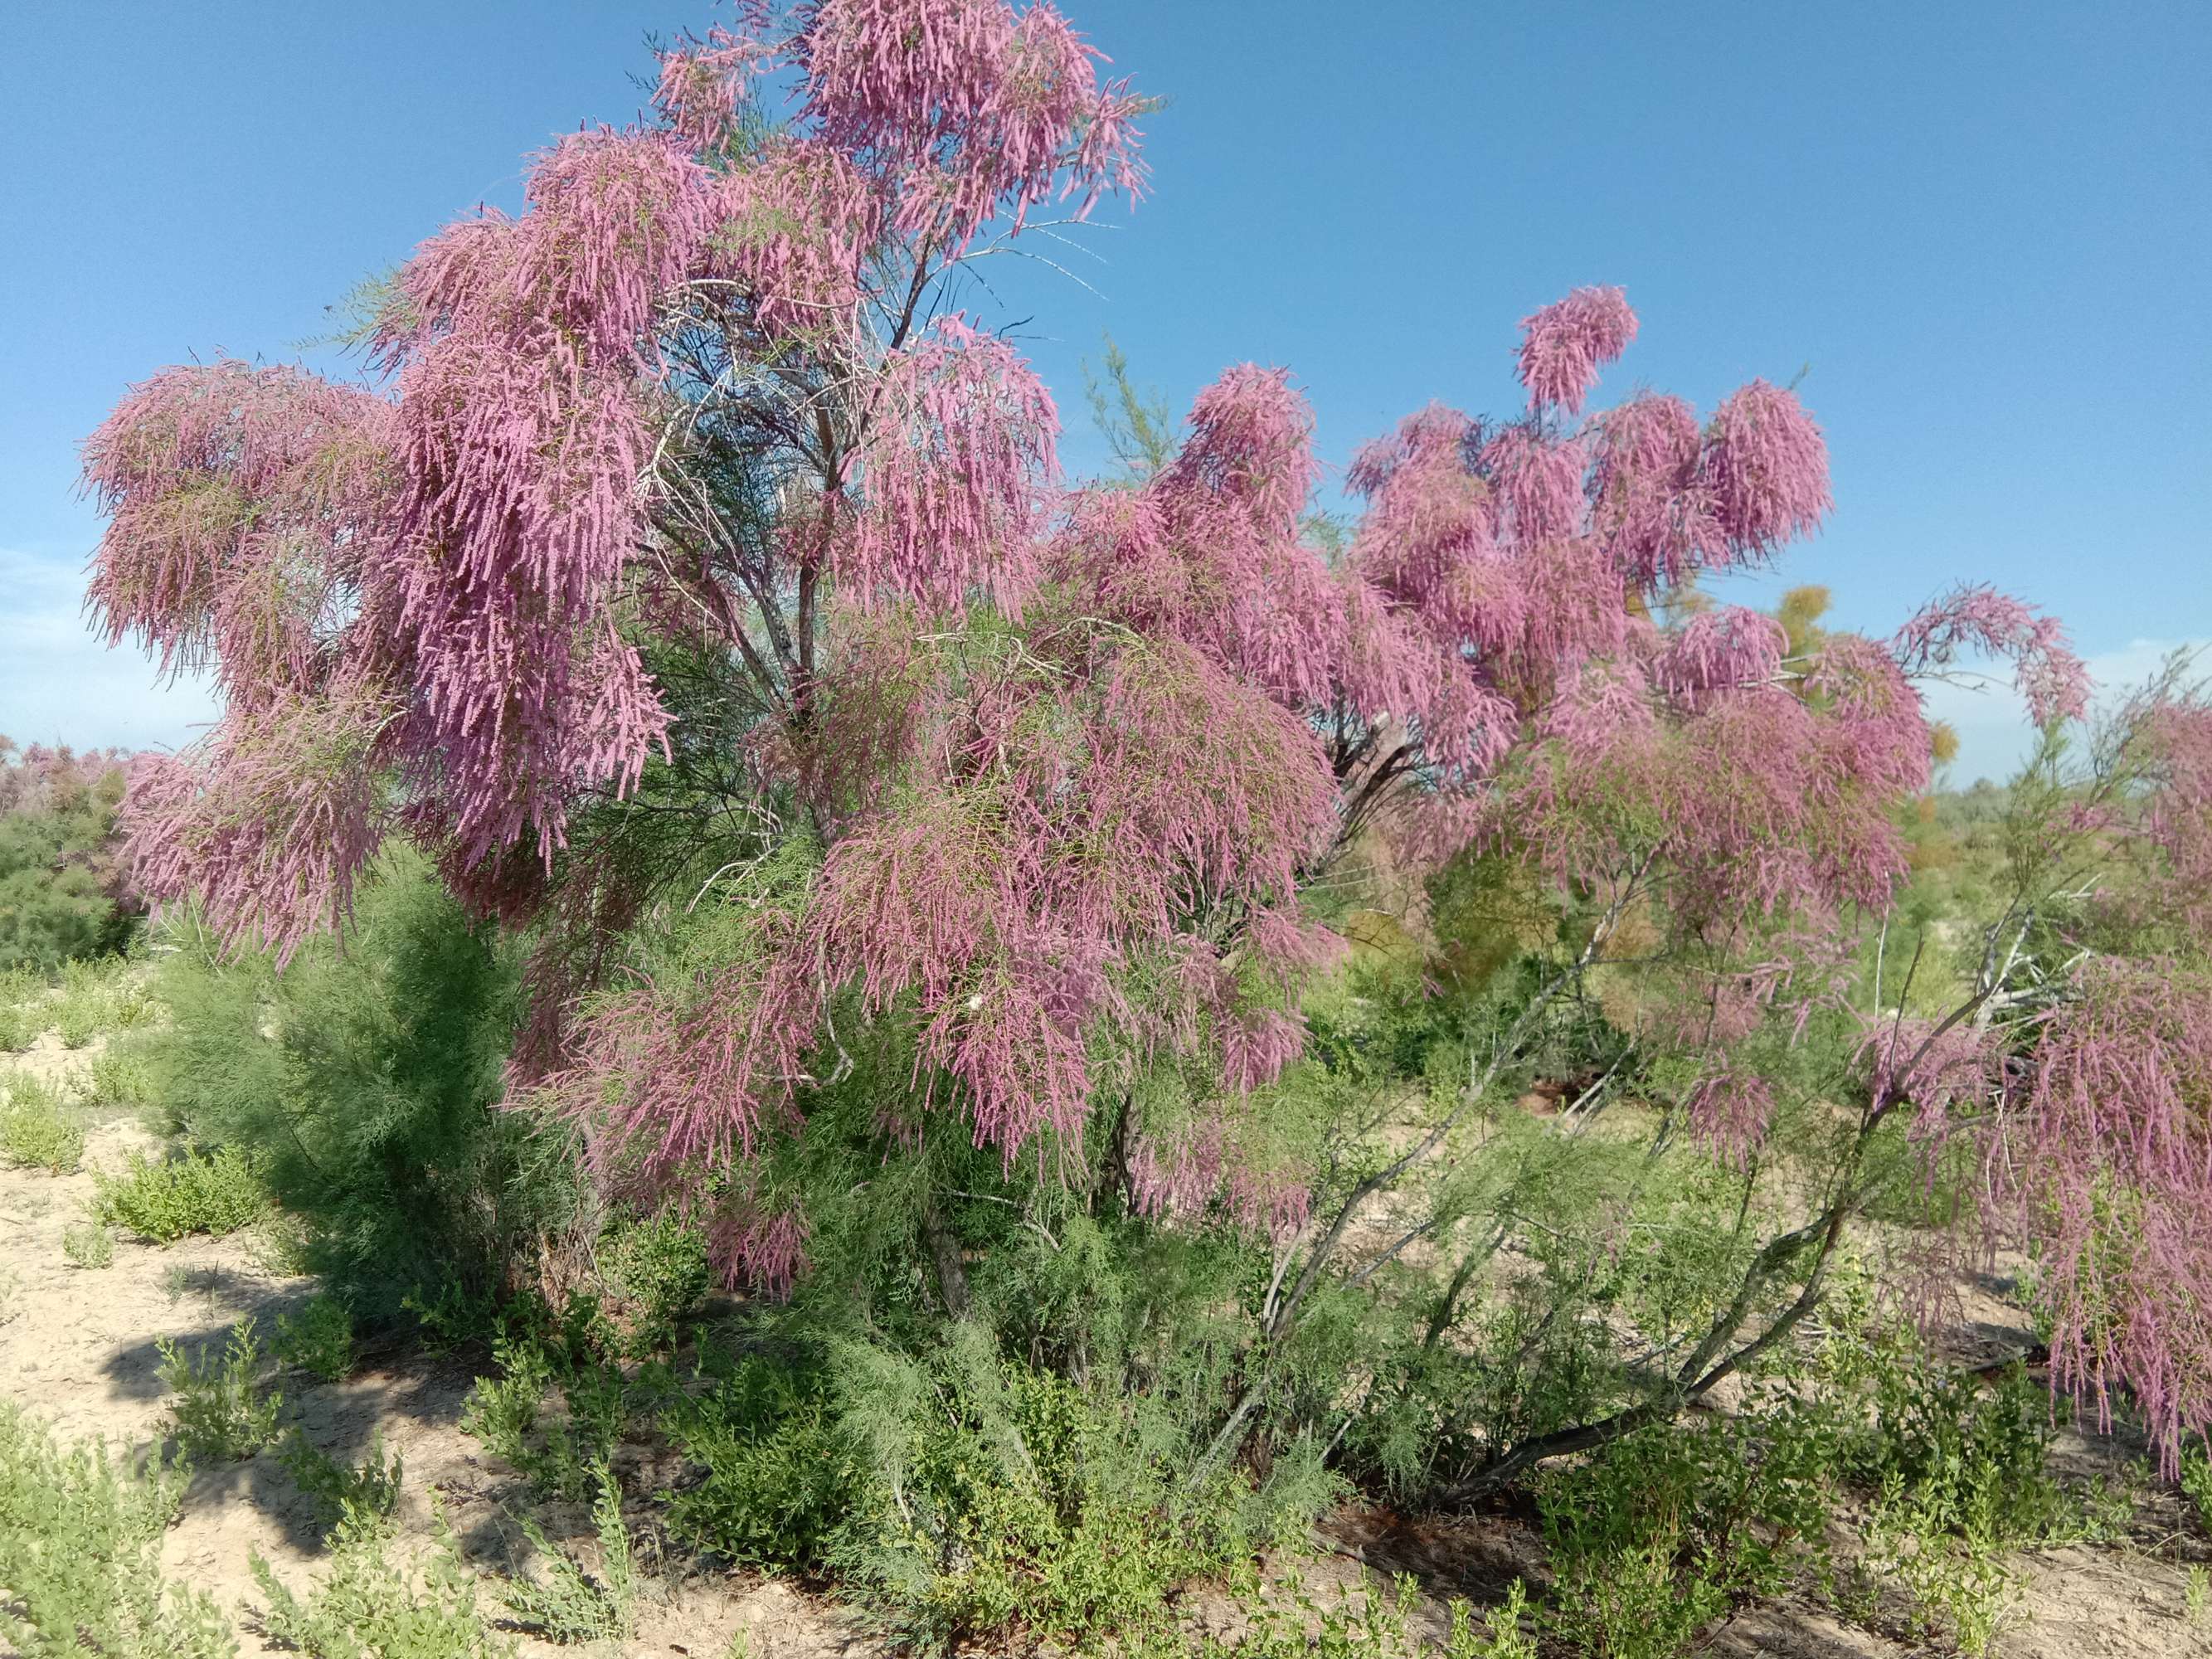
[
  {"x": 60, "y": 872},
  {"x": 88, "y": 1245},
  {"x": 1362, "y": 1622},
  {"x": 19, "y": 1026},
  {"x": 565, "y": 1603},
  {"x": 370, "y": 1487},
  {"x": 775, "y": 1476},
  {"x": 1670, "y": 1527},
  {"x": 120, "y": 1078},
  {"x": 38, "y": 1131},
  {"x": 1975, "y": 1450},
  {"x": 1948, "y": 1566},
  {"x": 365, "y": 1606},
  {"x": 216, "y": 1193},
  {"x": 365, "y": 1080},
  {"x": 80, "y": 1542},
  {"x": 79, "y": 1017},
  {"x": 658, "y": 1270},
  {"x": 319, "y": 1340},
  {"x": 962, "y": 1493},
  {"x": 555, "y": 1450},
  {"x": 2196, "y": 1482},
  {"x": 220, "y": 1413}
]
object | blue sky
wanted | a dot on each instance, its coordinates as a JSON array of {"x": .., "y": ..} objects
[{"x": 1984, "y": 232}]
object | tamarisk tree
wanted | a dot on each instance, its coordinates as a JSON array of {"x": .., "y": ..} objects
[{"x": 687, "y": 552}]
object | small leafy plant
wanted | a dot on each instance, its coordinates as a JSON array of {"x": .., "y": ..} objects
[
  {"x": 216, "y": 1193},
  {"x": 79, "y": 1553},
  {"x": 319, "y": 1340},
  {"x": 367, "y": 1604},
  {"x": 219, "y": 1414},
  {"x": 38, "y": 1131},
  {"x": 118, "y": 1078},
  {"x": 88, "y": 1245},
  {"x": 564, "y": 1601},
  {"x": 370, "y": 1487}
]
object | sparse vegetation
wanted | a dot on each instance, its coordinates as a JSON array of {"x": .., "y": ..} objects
[
  {"x": 163, "y": 1200},
  {"x": 218, "y": 1411},
  {"x": 367, "y": 1606},
  {"x": 38, "y": 1129},
  {"x": 89, "y": 1244},
  {"x": 563, "y": 1602},
  {"x": 79, "y": 1553},
  {"x": 370, "y": 1488},
  {"x": 319, "y": 1340}
]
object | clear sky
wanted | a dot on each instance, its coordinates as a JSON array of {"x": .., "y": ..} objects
[{"x": 1984, "y": 230}]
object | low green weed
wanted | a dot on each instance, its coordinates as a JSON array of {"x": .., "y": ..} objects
[
  {"x": 219, "y": 1413},
  {"x": 1949, "y": 1567},
  {"x": 2196, "y": 1482},
  {"x": 556, "y": 1452},
  {"x": 80, "y": 1544},
  {"x": 775, "y": 1475},
  {"x": 118, "y": 1078},
  {"x": 2198, "y": 1595},
  {"x": 659, "y": 1270},
  {"x": 319, "y": 1340},
  {"x": 37, "y": 1129},
  {"x": 367, "y": 1605},
  {"x": 1363, "y": 1622},
  {"x": 88, "y": 1245},
  {"x": 1668, "y": 1529},
  {"x": 370, "y": 1487},
  {"x": 564, "y": 1602},
  {"x": 19, "y": 1025},
  {"x": 216, "y": 1193}
]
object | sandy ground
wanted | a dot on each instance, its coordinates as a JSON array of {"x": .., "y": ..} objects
[{"x": 78, "y": 1346}]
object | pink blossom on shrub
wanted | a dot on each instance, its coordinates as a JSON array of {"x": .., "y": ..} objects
[
  {"x": 2103, "y": 1165},
  {"x": 1766, "y": 466},
  {"x": 2048, "y": 674},
  {"x": 1565, "y": 344},
  {"x": 1729, "y": 1113},
  {"x": 959, "y": 450}
]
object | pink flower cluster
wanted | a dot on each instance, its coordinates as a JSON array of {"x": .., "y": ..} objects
[{"x": 2103, "y": 1167}]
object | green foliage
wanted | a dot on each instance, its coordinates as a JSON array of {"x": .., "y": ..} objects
[
  {"x": 80, "y": 1545},
  {"x": 1669, "y": 1529},
  {"x": 57, "y": 865},
  {"x": 1949, "y": 1568},
  {"x": 2196, "y": 1482},
  {"x": 366, "y": 1607},
  {"x": 564, "y": 1602},
  {"x": 555, "y": 1448},
  {"x": 319, "y": 1340},
  {"x": 2198, "y": 1595},
  {"x": 776, "y": 1477},
  {"x": 37, "y": 1129},
  {"x": 1138, "y": 425},
  {"x": 220, "y": 1413},
  {"x": 88, "y": 1245},
  {"x": 658, "y": 1271},
  {"x": 364, "y": 1081},
  {"x": 1972, "y": 1453},
  {"x": 214, "y": 1193},
  {"x": 78, "y": 1019},
  {"x": 118, "y": 1078},
  {"x": 1285, "y": 1621},
  {"x": 370, "y": 1487},
  {"x": 965, "y": 1492}
]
